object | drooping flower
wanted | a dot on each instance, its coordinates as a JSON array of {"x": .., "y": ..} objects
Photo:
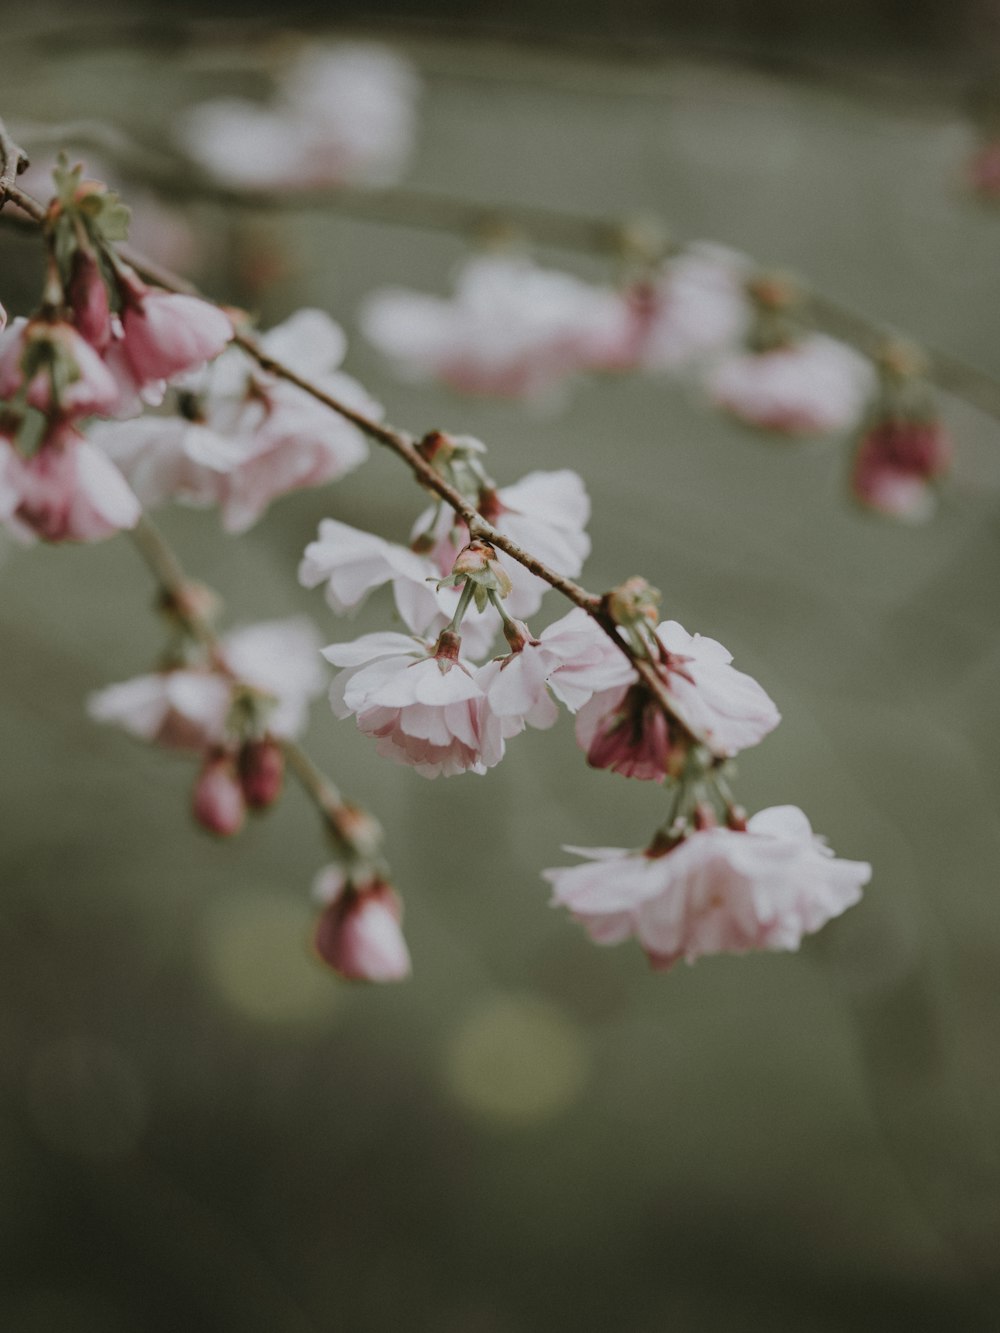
[
  {"x": 56, "y": 369},
  {"x": 165, "y": 334},
  {"x": 898, "y": 463},
  {"x": 359, "y": 932},
  {"x": 420, "y": 701},
  {"x": 588, "y": 662},
  {"x": 342, "y": 114},
  {"x": 192, "y": 709},
  {"x": 630, "y": 734},
  {"x": 693, "y": 307},
  {"x": 246, "y": 437},
  {"x": 68, "y": 491},
  {"x": 813, "y": 385},
  {"x": 511, "y": 328},
  {"x": 516, "y": 687},
  {"x": 717, "y": 890},
  {"x": 261, "y": 766},
  {"x": 622, "y": 726},
  {"x": 89, "y": 301},
  {"x": 218, "y": 803}
]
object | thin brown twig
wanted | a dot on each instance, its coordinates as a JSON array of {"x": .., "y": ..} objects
[{"x": 13, "y": 160}]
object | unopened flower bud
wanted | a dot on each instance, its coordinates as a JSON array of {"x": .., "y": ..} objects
[
  {"x": 262, "y": 772},
  {"x": 359, "y": 935},
  {"x": 478, "y": 563},
  {"x": 88, "y": 297},
  {"x": 219, "y": 804},
  {"x": 633, "y": 601}
]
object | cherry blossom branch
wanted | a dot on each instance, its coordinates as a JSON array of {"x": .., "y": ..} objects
[
  {"x": 426, "y": 475},
  {"x": 345, "y": 823},
  {"x": 404, "y": 447}
]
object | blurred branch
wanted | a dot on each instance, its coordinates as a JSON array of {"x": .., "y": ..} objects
[{"x": 642, "y": 238}]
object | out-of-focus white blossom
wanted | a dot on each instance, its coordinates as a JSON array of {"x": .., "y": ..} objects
[
  {"x": 190, "y": 709},
  {"x": 815, "y": 386},
  {"x": 511, "y": 328},
  {"x": 342, "y": 114}
]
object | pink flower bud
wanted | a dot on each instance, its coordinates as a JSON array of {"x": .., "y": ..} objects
[
  {"x": 262, "y": 772},
  {"x": 359, "y": 935},
  {"x": 218, "y": 803},
  {"x": 88, "y": 297},
  {"x": 166, "y": 333},
  {"x": 897, "y": 463}
]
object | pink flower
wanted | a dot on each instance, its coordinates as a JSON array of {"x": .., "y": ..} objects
[
  {"x": 511, "y": 329},
  {"x": 255, "y": 437},
  {"x": 262, "y": 772},
  {"x": 69, "y": 491},
  {"x": 166, "y": 333},
  {"x": 218, "y": 803},
  {"x": 545, "y": 512},
  {"x": 623, "y": 728},
  {"x": 343, "y": 113},
  {"x": 516, "y": 688},
  {"x": 358, "y": 933},
  {"x": 587, "y": 660},
  {"x": 10, "y": 475},
  {"x": 696, "y": 305},
  {"x": 64, "y": 375},
  {"x": 88, "y": 298},
  {"x": 423, "y": 705},
  {"x": 629, "y": 733},
  {"x": 351, "y": 563},
  {"x": 190, "y": 709},
  {"x": 815, "y": 386},
  {"x": 725, "y": 708},
  {"x": 716, "y": 891},
  {"x": 897, "y": 465},
  {"x": 182, "y": 710}
]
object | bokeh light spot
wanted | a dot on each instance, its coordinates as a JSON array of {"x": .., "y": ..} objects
[
  {"x": 517, "y": 1059},
  {"x": 255, "y": 951}
]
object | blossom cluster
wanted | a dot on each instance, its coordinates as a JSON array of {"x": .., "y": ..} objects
[
  {"x": 342, "y": 114},
  {"x": 518, "y": 330},
  {"x": 652, "y": 702},
  {"x": 102, "y": 344}
]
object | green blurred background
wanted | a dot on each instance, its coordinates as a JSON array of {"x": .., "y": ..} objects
[{"x": 199, "y": 1128}]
